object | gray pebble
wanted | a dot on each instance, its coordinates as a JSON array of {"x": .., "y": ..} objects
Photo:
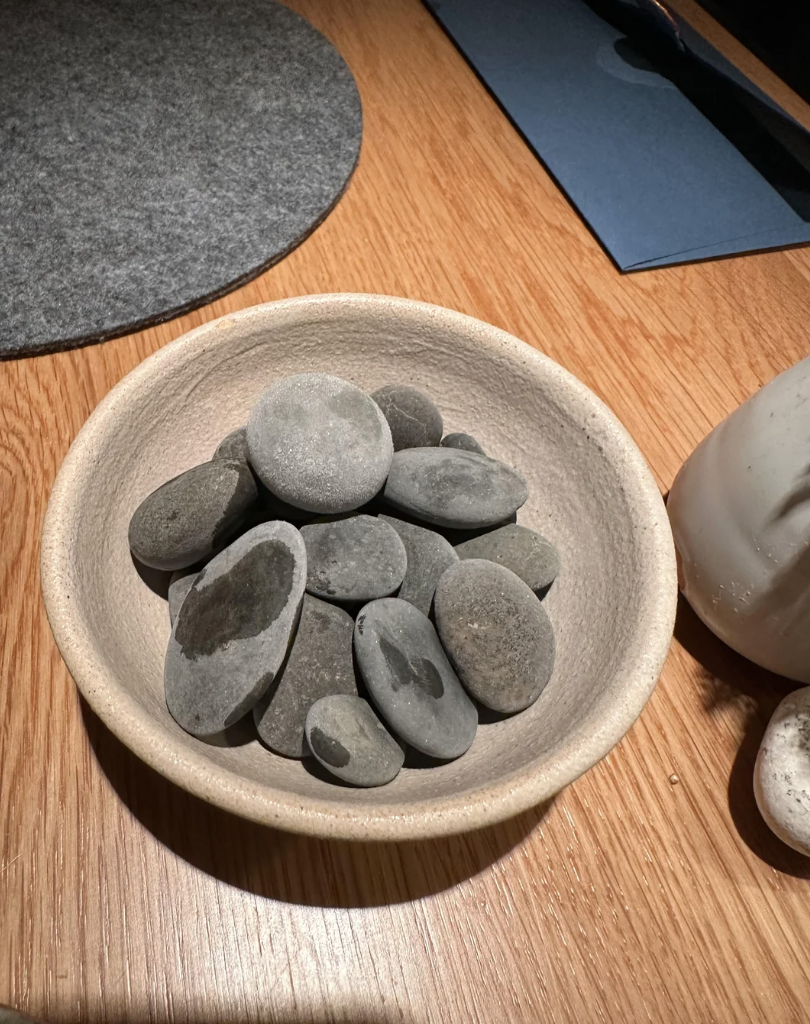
[
  {"x": 410, "y": 680},
  {"x": 528, "y": 554},
  {"x": 320, "y": 663},
  {"x": 429, "y": 554},
  {"x": 357, "y": 558},
  {"x": 496, "y": 632},
  {"x": 233, "y": 446},
  {"x": 453, "y": 488},
  {"x": 319, "y": 443},
  {"x": 189, "y": 517},
  {"x": 350, "y": 741},
  {"x": 180, "y": 583},
  {"x": 414, "y": 419},
  {"x": 466, "y": 442},
  {"x": 234, "y": 628}
]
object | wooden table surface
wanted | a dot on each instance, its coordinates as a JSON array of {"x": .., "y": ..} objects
[{"x": 651, "y": 890}]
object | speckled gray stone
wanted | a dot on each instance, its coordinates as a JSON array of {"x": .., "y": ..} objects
[
  {"x": 180, "y": 583},
  {"x": 410, "y": 680},
  {"x": 453, "y": 488},
  {"x": 466, "y": 442},
  {"x": 413, "y": 417},
  {"x": 782, "y": 772},
  {"x": 527, "y": 553},
  {"x": 349, "y": 740},
  {"x": 319, "y": 443},
  {"x": 234, "y": 628},
  {"x": 233, "y": 446},
  {"x": 358, "y": 558},
  {"x": 189, "y": 517},
  {"x": 429, "y": 554},
  {"x": 496, "y": 633},
  {"x": 320, "y": 663}
]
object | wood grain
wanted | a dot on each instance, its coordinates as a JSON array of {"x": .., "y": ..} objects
[{"x": 636, "y": 896}]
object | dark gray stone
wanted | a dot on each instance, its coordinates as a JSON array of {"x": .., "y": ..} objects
[
  {"x": 189, "y": 517},
  {"x": 466, "y": 442},
  {"x": 452, "y": 488},
  {"x": 320, "y": 663},
  {"x": 358, "y": 558},
  {"x": 429, "y": 554},
  {"x": 414, "y": 419},
  {"x": 180, "y": 583},
  {"x": 234, "y": 628},
  {"x": 496, "y": 633},
  {"x": 410, "y": 680},
  {"x": 233, "y": 446},
  {"x": 319, "y": 443},
  {"x": 350, "y": 741},
  {"x": 528, "y": 554}
]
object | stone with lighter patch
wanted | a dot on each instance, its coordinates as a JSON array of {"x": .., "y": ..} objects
[
  {"x": 319, "y": 443},
  {"x": 413, "y": 417},
  {"x": 466, "y": 442},
  {"x": 410, "y": 680},
  {"x": 451, "y": 488},
  {"x": 348, "y": 739},
  {"x": 320, "y": 664},
  {"x": 180, "y": 582},
  {"x": 186, "y": 519},
  {"x": 358, "y": 558},
  {"x": 496, "y": 633},
  {"x": 233, "y": 446},
  {"x": 782, "y": 772},
  {"x": 234, "y": 628},
  {"x": 429, "y": 554},
  {"x": 526, "y": 553}
]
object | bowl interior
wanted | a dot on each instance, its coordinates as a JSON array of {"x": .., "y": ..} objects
[{"x": 590, "y": 493}]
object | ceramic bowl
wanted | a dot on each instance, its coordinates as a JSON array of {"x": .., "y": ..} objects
[{"x": 590, "y": 492}]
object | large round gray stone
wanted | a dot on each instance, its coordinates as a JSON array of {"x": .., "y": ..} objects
[
  {"x": 527, "y": 553},
  {"x": 496, "y": 632},
  {"x": 466, "y": 442},
  {"x": 189, "y": 517},
  {"x": 320, "y": 663},
  {"x": 234, "y": 628},
  {"x": 429, "y": 554},
  {"x": 452, "y": 488},
  {"x": 413, "y": 417},
  {"x": 180, "y": 582},
  {"x": 319, "y": 443},
  {"x": 354, "y": 559},
  {"x": 350, "y": 741},
  {"x": 410, "y": 680}
]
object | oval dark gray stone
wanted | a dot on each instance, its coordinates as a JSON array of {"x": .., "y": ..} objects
[
  {"x": 349, "y": 740},
  {"x": 233, "y": 446},
  {"x": 496, "y": 633},
  {"x": 453, "y": 488},
  {"x": 528, "y": 554},
  {"x": 410, "y": 680},
  {"x": 320, "y": 663},
  {"x": 234, "y": 628},
  {"x": 429, "y": 554},
  {"x": 466, "y": 442},
  {"x": 358, "y": 558},
  {"x": 186, "y": 519},
  {"x": 180, "y": 583},
  {"x": 413, "y": 417},
  {"x": 319, "y": 443}
]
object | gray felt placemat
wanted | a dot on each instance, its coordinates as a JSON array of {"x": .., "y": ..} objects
[{"x": 155, "y": 154}]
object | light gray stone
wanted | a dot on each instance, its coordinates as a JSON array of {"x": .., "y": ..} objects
[
  {"x": 528, "y": 554},
  {"x": 413, "y": 417},
  {"x": 357, "y": 558},
  {"x": 429, "y": 554},
  {"x": 466, "y": 442},
  {"x": 348, "y": 739},
  {"x": 782, "y": 772},
  {"x": 180, "y": 583}
]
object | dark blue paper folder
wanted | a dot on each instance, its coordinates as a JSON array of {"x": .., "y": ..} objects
[{"x": 651, "y": 174}]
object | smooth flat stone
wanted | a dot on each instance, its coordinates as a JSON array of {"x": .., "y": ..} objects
[
  {"x": 782, "y": 772},
  {"x": 348, "y": 739},
  {"x": 453, "y": 488},
  {"x": 358, "y": 558},
  {"x": 319, "y": 443},
  {"x": 528, "y": 554},
  {"x": 233, "y": 446},
  {"x": 429, "y": 554},
  {"x": 320, "y": 664},
  {"x": 496, "y": 633},
  {"x": 186, "y": 519},
  {"x": 466, "y": 442},
  {"x": 180, "y": 583},
  {"x": 413, "y": 417},
  {"x": 234, "y": 628},
  {"x": 410, "y": 680}
]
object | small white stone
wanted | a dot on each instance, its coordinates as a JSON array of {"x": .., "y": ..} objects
[{"x": 782, "y": 773}]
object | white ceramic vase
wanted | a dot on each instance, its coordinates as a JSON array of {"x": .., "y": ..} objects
[{"x": 740, "y": 514}]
